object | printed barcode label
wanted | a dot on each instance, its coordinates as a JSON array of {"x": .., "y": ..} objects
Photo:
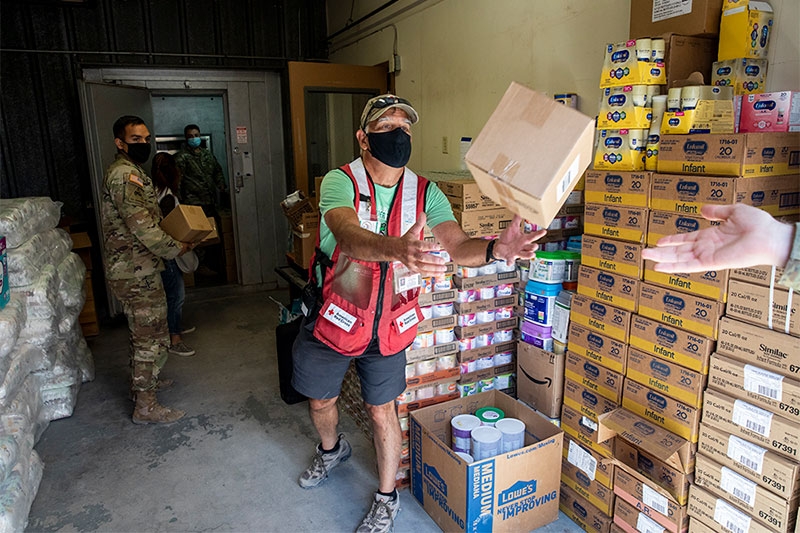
[
  {"x": 730, "y": 517},
  {"x": 741, "y": 487},
  {"x": 746, "y": 453},
  {"x": 752, "y": 417},
  {"x": 654, "y": 500},
  {"x": 645, "y": 524},
  {"x": 763, "y": 382},
  {"x": 566, "y": 179},
  {"x": 579, "y": 457},
  {"x": 589, "y": 423}
]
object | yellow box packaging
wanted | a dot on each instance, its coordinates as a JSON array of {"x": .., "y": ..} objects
[
  {"x": 623, "y": 223},
  {"x": 579, "y": 510},
  {"x": 663, "y": 223},
  {"x": 597, "y": 378},
  {"x": 618, "y": 188},
  {"x": 600, "y": 317},
  {"x": 744, "y": 31},
  {"x": 618, "y": 111},
  {"x": 679, "y": 418},
  {"x": 585, "y": 401},
  {"x": 584, "y": 430},
  {"x": 621, "y": 67},
  {"x": 710, "y": 116},
  {"x": 620, "y": 257},
  {"x": 709, "y": 284},
  {"x": 621, "y": 149},
  {"x": 594, "y": 492},
  {"x": 620, "y": 291},
  {"x": 680, "y": 383},
  {"x": 692, "y": 313},
  {"x": 744, "y": 75},
  {"x": 671, "y": 344},
  {"x": 598, "y": 348}
]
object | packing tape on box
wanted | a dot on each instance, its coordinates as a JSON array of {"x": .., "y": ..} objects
[
  {"x": 772, "y": 300},
  {"x": 503, "y": 167}
]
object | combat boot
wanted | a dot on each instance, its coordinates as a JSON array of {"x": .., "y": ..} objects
[
  {"x": 161, "y": 384},
  {"x": 149, "y": 411}
]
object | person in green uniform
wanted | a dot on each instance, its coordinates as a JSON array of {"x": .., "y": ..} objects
[{"x": 135, "y": 245}]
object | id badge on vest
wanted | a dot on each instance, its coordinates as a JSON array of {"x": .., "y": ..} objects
[{"x": 370, "y": 225}]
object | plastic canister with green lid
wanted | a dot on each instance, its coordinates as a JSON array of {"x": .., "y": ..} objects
[
  {"x": 561, "y": 316},
  {"x": 572, "y": 260},
  {"x": 489, "y": 415}
]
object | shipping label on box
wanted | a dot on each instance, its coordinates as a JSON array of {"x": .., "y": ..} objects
[
  {"x": 769, "y": 469},
  {"x": 531, "y": 153},
  {"x": 540, "y": 379},
  {"x": 600, "y": 317},
  {"x": 606, "y": 351},
  {"x": 622, "y": 258},
  {"x": 763, "y": 347},
  {"x": 597, "y": 378},
  {"x": 768, "y": 508},
  {"x": 671, "y": 344},
  {"x": 630, "y": 520},
  {"x": 764, "y": 307},
  {"x": 744, "y": 31},
  {"x": 649, "y": 499},
  {"x": 618, "y": 188},
  {"x": 706, "y": 508},
  {"x": 513, "y": 491},
  {"x": 655, "y": 17},
  {"x": 624, "y": 223},
  {"x": 752, "y": 423},
  {"x": 584, "y": 430},
  {"x": 675, "y": 381},
  {"x": 595, "y": 493},
  {"x": 583, "y": 513},
  {"x": 692, "y": 313},
  {"x": 622, "y": 67},
  {"x": 620, "y": 291},
  {"x": 759, "y": 386},
  {"x": 759, "y": 275},
  {"x": 681, "y": 419},
  {"x": 484, "y": 223},
  {"x": 744, "y": 75},
  {"x": 595, "y": 466},
  {"x": 712, "y": 284},
  {"x": 585, "y": 401},
  {"x": 779, "y": 111}
]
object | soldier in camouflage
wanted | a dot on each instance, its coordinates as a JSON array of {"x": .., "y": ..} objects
[
  {"x": 135, "y": 245},
  {"x": 202, "y": 173}
]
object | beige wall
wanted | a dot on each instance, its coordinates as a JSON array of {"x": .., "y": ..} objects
[{"x": 459, "y": 56}]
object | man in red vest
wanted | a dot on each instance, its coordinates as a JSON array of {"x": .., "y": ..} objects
[{"x": 374, "y": 210}]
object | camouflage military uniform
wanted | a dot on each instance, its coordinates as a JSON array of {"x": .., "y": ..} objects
[
  {"x": 134, "y": 245},
  {"x": 791, "y": 273},
  {"x": 202, "y": 176}
]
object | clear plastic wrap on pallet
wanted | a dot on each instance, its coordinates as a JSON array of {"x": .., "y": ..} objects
[
  {"x": 9, "y": 452},
  {"x": 26, "y": 262},
  {"x": 42, "y": 331},
  {"x": 72, "y": 273},
  {"x": 23, "y": 360},
  {"x": 42, "y": 298},
  {"x": 12, "y": 319},
  {"x": 17, "y": 492},
  {"x": 22, "y": 218},
  {"x": 59, "y": 401},
  {"x": 21, "y": 419},
  {"x": 85, "y": 361},
  {"x": 70, "y": 321}
]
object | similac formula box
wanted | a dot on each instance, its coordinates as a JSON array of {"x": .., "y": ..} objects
[
  {"x": 671, "y": 344},
  {"x": 624, "y": 223},
  {"x": 769, "y": 349},
  {"x": 706, "y": 508},
  {"x": 682, "y": 384},
  {"x": 615, "y": 256},
  {"x": 597, "y": 378},
  {"x": 618, "y": 188},
  {"x": 744, "y": 31},
  {"x": 595, "y": 466},
  {"x": 668, "y": 413},
  {"x": 620, "y": 291},
  {"x": 770, "y": 308},
  {"x": 775, "y": 112},
  {"x": 679, "y": 309},
  {"x": 598, "y": 348},
  {"x": 759, "y": 274},
  {"x": 744, "y": 75}
]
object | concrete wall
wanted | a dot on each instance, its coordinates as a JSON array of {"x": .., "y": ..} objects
[{"x": 457, "y": 57}]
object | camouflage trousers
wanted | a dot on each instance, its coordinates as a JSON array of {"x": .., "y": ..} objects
[{"x": 145, "y": 306}]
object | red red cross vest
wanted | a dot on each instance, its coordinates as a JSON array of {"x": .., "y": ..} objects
[{"x": 359, "y": 302}]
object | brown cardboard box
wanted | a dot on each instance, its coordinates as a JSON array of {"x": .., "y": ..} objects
[
  {"x": 540, "y": 379},
  {"x": 211, "y": 238},
  {"x": 585, "y": 401},
  {"x": 623, "y": 258},
  {"x": 681, "y": 419},
  {"x": 531, "y": 153},
  {"x": 675, "y": 381},
  {"x": 606, "y": 351},
  {"x": 303, "y": 248},
  {"x": 663, "y": 223},
  {"x": 700, "y": 18},
  {"x": 486, "y": 281},
  {"x": 696, "y": 526},
  {"x": 712, "y": 284},
  {"x": 758, "y": 305},
  {"x": 484, "y": 223},
  {"x": 600, "y": 317},
  {"x": 465, "y": 195},
  {"x": 777, "y": 195},
  {"x": 707, "y": 508},
  {"x": 618, "y": 188},
  {"x": 595, "y": 493},
  {"x": 661, "y": 474},
  {"x": 623, "y": 223},
  {"x": 82, "y": 245},
  {"x": 584, "y": 430},
  {"x": 649, "y": 499},
  {"x": 596, "y": 378},
  {"x": 186, "y": 223},
  {"x": 631, "y": 520},
  {"x": 517, "y": 491},
  {"x": 756, "y": 385},
  {"x": 692, "y": 313},
  {"x": 731, "y": 154},
  {"x": 771, "y": 510},
  {"x": 769, "y": 469},
  {"x": 619, "y": 291},
  {"x": 758, "y": 275},
  {"x": 595, "y": 466},
  {"x": 752, "y": 423},
  {"x": 671, "y": 344},
  {"x": 583, "y": 513},
  {"x": 756, "y": 345}
]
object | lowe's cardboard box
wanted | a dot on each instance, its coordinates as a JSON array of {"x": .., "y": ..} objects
[
  {"x": 531, "y": 154},
  {"x": 513, "y": 491}
]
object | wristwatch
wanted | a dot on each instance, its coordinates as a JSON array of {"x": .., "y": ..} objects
[{"x": 490, "y": 252}]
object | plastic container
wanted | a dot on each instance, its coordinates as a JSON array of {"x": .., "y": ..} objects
[
  {"x": 572, "y": 261},
  {"x": 423, "y": 340},
  {"x": 489, "y": 415},
  {"x": 502, "y": 266},
  {"x": 467, "y": 319},
  {"x": 427, "y": 312},
  {"x": 484, "y": 317},
  {"x": 540, "y": 300},
  {"x": 486, "y": 442},
  {"x": 538, "y": 336},
  {"x": 427, "y": 392},
  {"x": 503, "y": 381},
  {"x": 547, "y": 267},
  {"x": 513, "y": 434},
  {"x": 502, "y": 358},
  {"x": 484, "y": 362},
  {"x": 443, "y": 284},
  {"x": 411, "y": 370},
  {"x": 467, "y": 457},
  {"x": 561, "y": 315},
  {"x": 504, "y": 289},
  {"x": 427, "y": 366},
  {"x": 467, "y": 389},
  {"x": 441, "y": 310},
  {"x": 461, "y": 427},
  {"x": 443, "y": 336},
  {"x": 446, "y": 362},
  {"x": 466, "y": 343},
  {"x": 503, "y": 336},
  {"x": 481, "y": 341},
  {"x": 485, "y": 384}
]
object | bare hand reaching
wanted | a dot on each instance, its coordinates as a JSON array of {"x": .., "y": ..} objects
[
  {"x": 414, "y": 252},
  {"x": 513, "y": 244},
  {"x": 747, "y": 236}
]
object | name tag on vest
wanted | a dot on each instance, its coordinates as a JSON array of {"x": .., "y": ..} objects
[
  {"x": 339, "y": 317},
  {"x": 407, "y": 320}
]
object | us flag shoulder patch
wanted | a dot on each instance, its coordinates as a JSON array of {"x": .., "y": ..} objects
[{"x": 133, "y": 178}]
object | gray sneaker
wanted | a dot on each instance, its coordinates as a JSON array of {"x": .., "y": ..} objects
[
  {"x": 181, "y": 349},
  {"x": 380, "y": 518},
  {"x": 324, "y": 463}
]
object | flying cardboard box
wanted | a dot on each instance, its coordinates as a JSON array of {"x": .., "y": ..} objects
[{"x": 531, "y": 153}]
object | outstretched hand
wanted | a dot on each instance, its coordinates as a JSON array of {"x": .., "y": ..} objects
[
  {"x": 514, "y": 244},
  {"x": 746, "y": 236},
  {"x": 414, "y": 252}
]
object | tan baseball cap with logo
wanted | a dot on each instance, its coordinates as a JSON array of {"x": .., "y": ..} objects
[{"x": 378, "y": 105}]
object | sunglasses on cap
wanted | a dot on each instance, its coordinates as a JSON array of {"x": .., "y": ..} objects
[{"x": 382, "y": 102}]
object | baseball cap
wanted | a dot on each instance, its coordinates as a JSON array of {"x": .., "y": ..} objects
[{"x": 378, "y": 105}]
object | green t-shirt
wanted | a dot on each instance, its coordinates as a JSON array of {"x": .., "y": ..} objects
[{"x": 337, "y": 191}]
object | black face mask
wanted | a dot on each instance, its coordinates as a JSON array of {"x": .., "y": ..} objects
[
  {"x": 392, "y": 148},
  {"x": 139, "y": 152}
]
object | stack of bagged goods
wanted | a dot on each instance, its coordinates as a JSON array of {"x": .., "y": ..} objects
[{"x": 43, "y": 355}]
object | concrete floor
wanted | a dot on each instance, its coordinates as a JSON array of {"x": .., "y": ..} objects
[{"x": 231, "y": 464}]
